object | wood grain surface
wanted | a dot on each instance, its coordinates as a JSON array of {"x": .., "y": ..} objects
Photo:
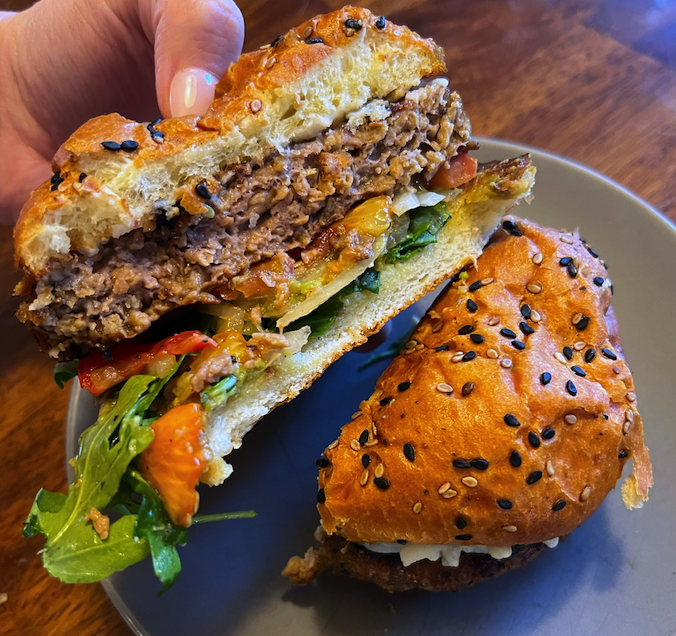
[{"x": 594, "y": 81}]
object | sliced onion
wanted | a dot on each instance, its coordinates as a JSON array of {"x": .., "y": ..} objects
[{"x": 405, "y": 201}]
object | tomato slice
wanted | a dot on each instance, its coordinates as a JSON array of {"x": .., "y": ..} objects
[
  {"x": 173, "y": 461},
  {"x": 101, "y": 370},
  {"x": 459, "y": 170}
]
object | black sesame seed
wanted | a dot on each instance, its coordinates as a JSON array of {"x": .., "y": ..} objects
[
  {"x": 471, "y": 305},
  {"x": 277, "y": 40},
  {"x": 460, "y": 523},
  {"x": 525, "y": 311},
  {"x": 129, "y": 145},
  {"x": 321, "y": 496},
  {"x": 578, "y": 371},
  {"x": 565, "y": 261},
  {"x": 545, "y": 378},
  {"x": 479, "y": 463},
  {"x": 202, "y": 190},
  {"x": 314, "y": 41},
  {"x": 589, "y": 355},
  {"x": 518, "y": 345},
  {"x": 364, "y": 437},
  {"x": 511, "y": 420},
  {"x": 476, "y": 338},
  {"x": 442, "y": 348},
  {"x": 382, "y": 483},
  {"x": 598, "y": 281},
  {"x": 401, "y": 541},
  {"x": 571, "y": 388},
  {"x": 605, "y": 416},
  {"x": 385, "y": 401},
  {"x": 365, "y": 460},
  {"x": 534, "y": 439},
  {"x": 352, "y": 23},
  {"x": 559, "y": 505},
  {"x": 515, "y": 459},
  {"x": 505, "y": 504},
  {"x": 82, "y": 177},
  {"x": 534, "y": 477},
  {"x": 111, "y": 145},
  {"x": 511, "y": 227},
  {"x": 403, "y": 386},
  {"x": 526, "y": 329},
  {"x": 582, "y": 323},
  {"x": 380, "y": 23},
  {"x": 548, "y": 433},
  {"x": 461, "y": 463},
  {"x": 463, "y": 331},
  {"x": 107, "y": 354},
  {"x": 409, "y": 452},
  {"x": 612, "y": 290},
  {"x": 568, "y": 352},
  {"x": 608, "y": 354},
  {"x": 56, "y": 177},
  {"x": 623, "y": 454},
  {"x": 572, "y": 270},
  {"x": 322, "y": 462},
  {"x": 507, "y": 333},
  {"x": 470, "y": 355},
  {"x": 475, "y": 285},
  {"x": 467, "y": 388},
  {"x": 593, "y": 252},
  {"x": 463, "y": 537}
]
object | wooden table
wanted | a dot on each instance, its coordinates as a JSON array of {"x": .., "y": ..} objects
[{"x": 591, "y": 80}]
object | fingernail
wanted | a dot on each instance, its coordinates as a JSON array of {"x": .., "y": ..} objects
[{"x": 192, "y": 91}]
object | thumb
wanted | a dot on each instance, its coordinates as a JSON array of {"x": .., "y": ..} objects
[{"x": 195, "y": 41}]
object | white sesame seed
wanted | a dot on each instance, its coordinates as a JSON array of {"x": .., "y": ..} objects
[
  {"x": 355, "y": 445},
  {"x": 584, "y": 495},
  {"x": 371, "y": 442},
  {"x": 458, "y": 356},
  {"x": 625, "y": 427},
  {"x": 270, "y": 62},
  {"x": 470, "y": 482},
  {"x": 537, "y": 258},
  {"x": 444, "y": 388},
  {"x": 449, "y": 494},
  {"x": 550, "y": 468},
  {"x": 487, "y": 281},
  {"x": 437, "y": 325},
  {"x": 570, "y": 418},
  {"x": 492, "y": 353},
  {"x": 444, "y": 487},
  {"x": 417, "y": 507},
  {"x": 433, "y": 314},
  {"x": 577, "y": 317},
  {"x": 420, "y": 346},
  {"x": 535, "y": 316},
  {"x": 374, "y": 429},
  {"x": 255, "y": 105},
  {"x": 631, "y": 396},
  {"x": 356, "y": 414},
  {"x": 567, "y": 239},
  {"x": 332, "y": 445},
  {"x": 629, "y": 415},
  {"x": 307, "y": 32},
  {"x": 509, "y": 528},
  {"x": 379, "y": 470},
  {"x": 534, "y": 288},
  {"x": 506, "y": 363},
  {"x": 579, "y": 345},
  {"x": 364, "y": 477},
  {"x": 560, "y": 357},
  {"x": 493, "y": 320}
]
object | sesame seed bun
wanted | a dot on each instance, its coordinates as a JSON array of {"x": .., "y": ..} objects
[{"x": 521, "y": 452}]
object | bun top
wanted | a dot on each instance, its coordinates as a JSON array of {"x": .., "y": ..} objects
[
  {"x": 507, "y": 417},
  {"x": 288, "y": 91}
]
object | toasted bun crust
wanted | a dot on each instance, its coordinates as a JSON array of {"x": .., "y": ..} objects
[
  {"x": 454, "y": 411},
  {"x": 475, "y": 208},
  {"x": 386, "y": 570},
  {"x": 283, "y": 93}
]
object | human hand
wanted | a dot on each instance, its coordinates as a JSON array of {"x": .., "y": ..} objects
[{"x": 62, "y": 63}]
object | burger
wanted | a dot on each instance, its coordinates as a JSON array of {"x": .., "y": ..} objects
[
  {"x": 501, "y": 427},
  {"x": 197, "y": 272}
]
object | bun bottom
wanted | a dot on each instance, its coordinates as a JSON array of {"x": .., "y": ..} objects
[{"x": 387, "y": 571}]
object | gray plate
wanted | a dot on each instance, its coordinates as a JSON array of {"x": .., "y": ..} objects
[{"x": 615, "y": 575}]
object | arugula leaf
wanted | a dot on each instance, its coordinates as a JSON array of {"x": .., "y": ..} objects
[
  {"x": 64, "y": 372},
  {"x": 219, "y": 393},
  {"x": 423, "y": 229},
  {"x": 154, "y": 525}
]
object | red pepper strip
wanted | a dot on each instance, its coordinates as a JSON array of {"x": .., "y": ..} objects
[
  {"x": 100, "y": 370},
  {"x": 459, "y": 170}
]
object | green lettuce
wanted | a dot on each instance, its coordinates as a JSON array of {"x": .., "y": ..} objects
[{"x": 425, "y": 224}]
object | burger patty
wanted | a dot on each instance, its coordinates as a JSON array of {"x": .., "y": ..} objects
[
  {"x": 387, "y": 571},
  {"x": 261, "y": 208}
]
